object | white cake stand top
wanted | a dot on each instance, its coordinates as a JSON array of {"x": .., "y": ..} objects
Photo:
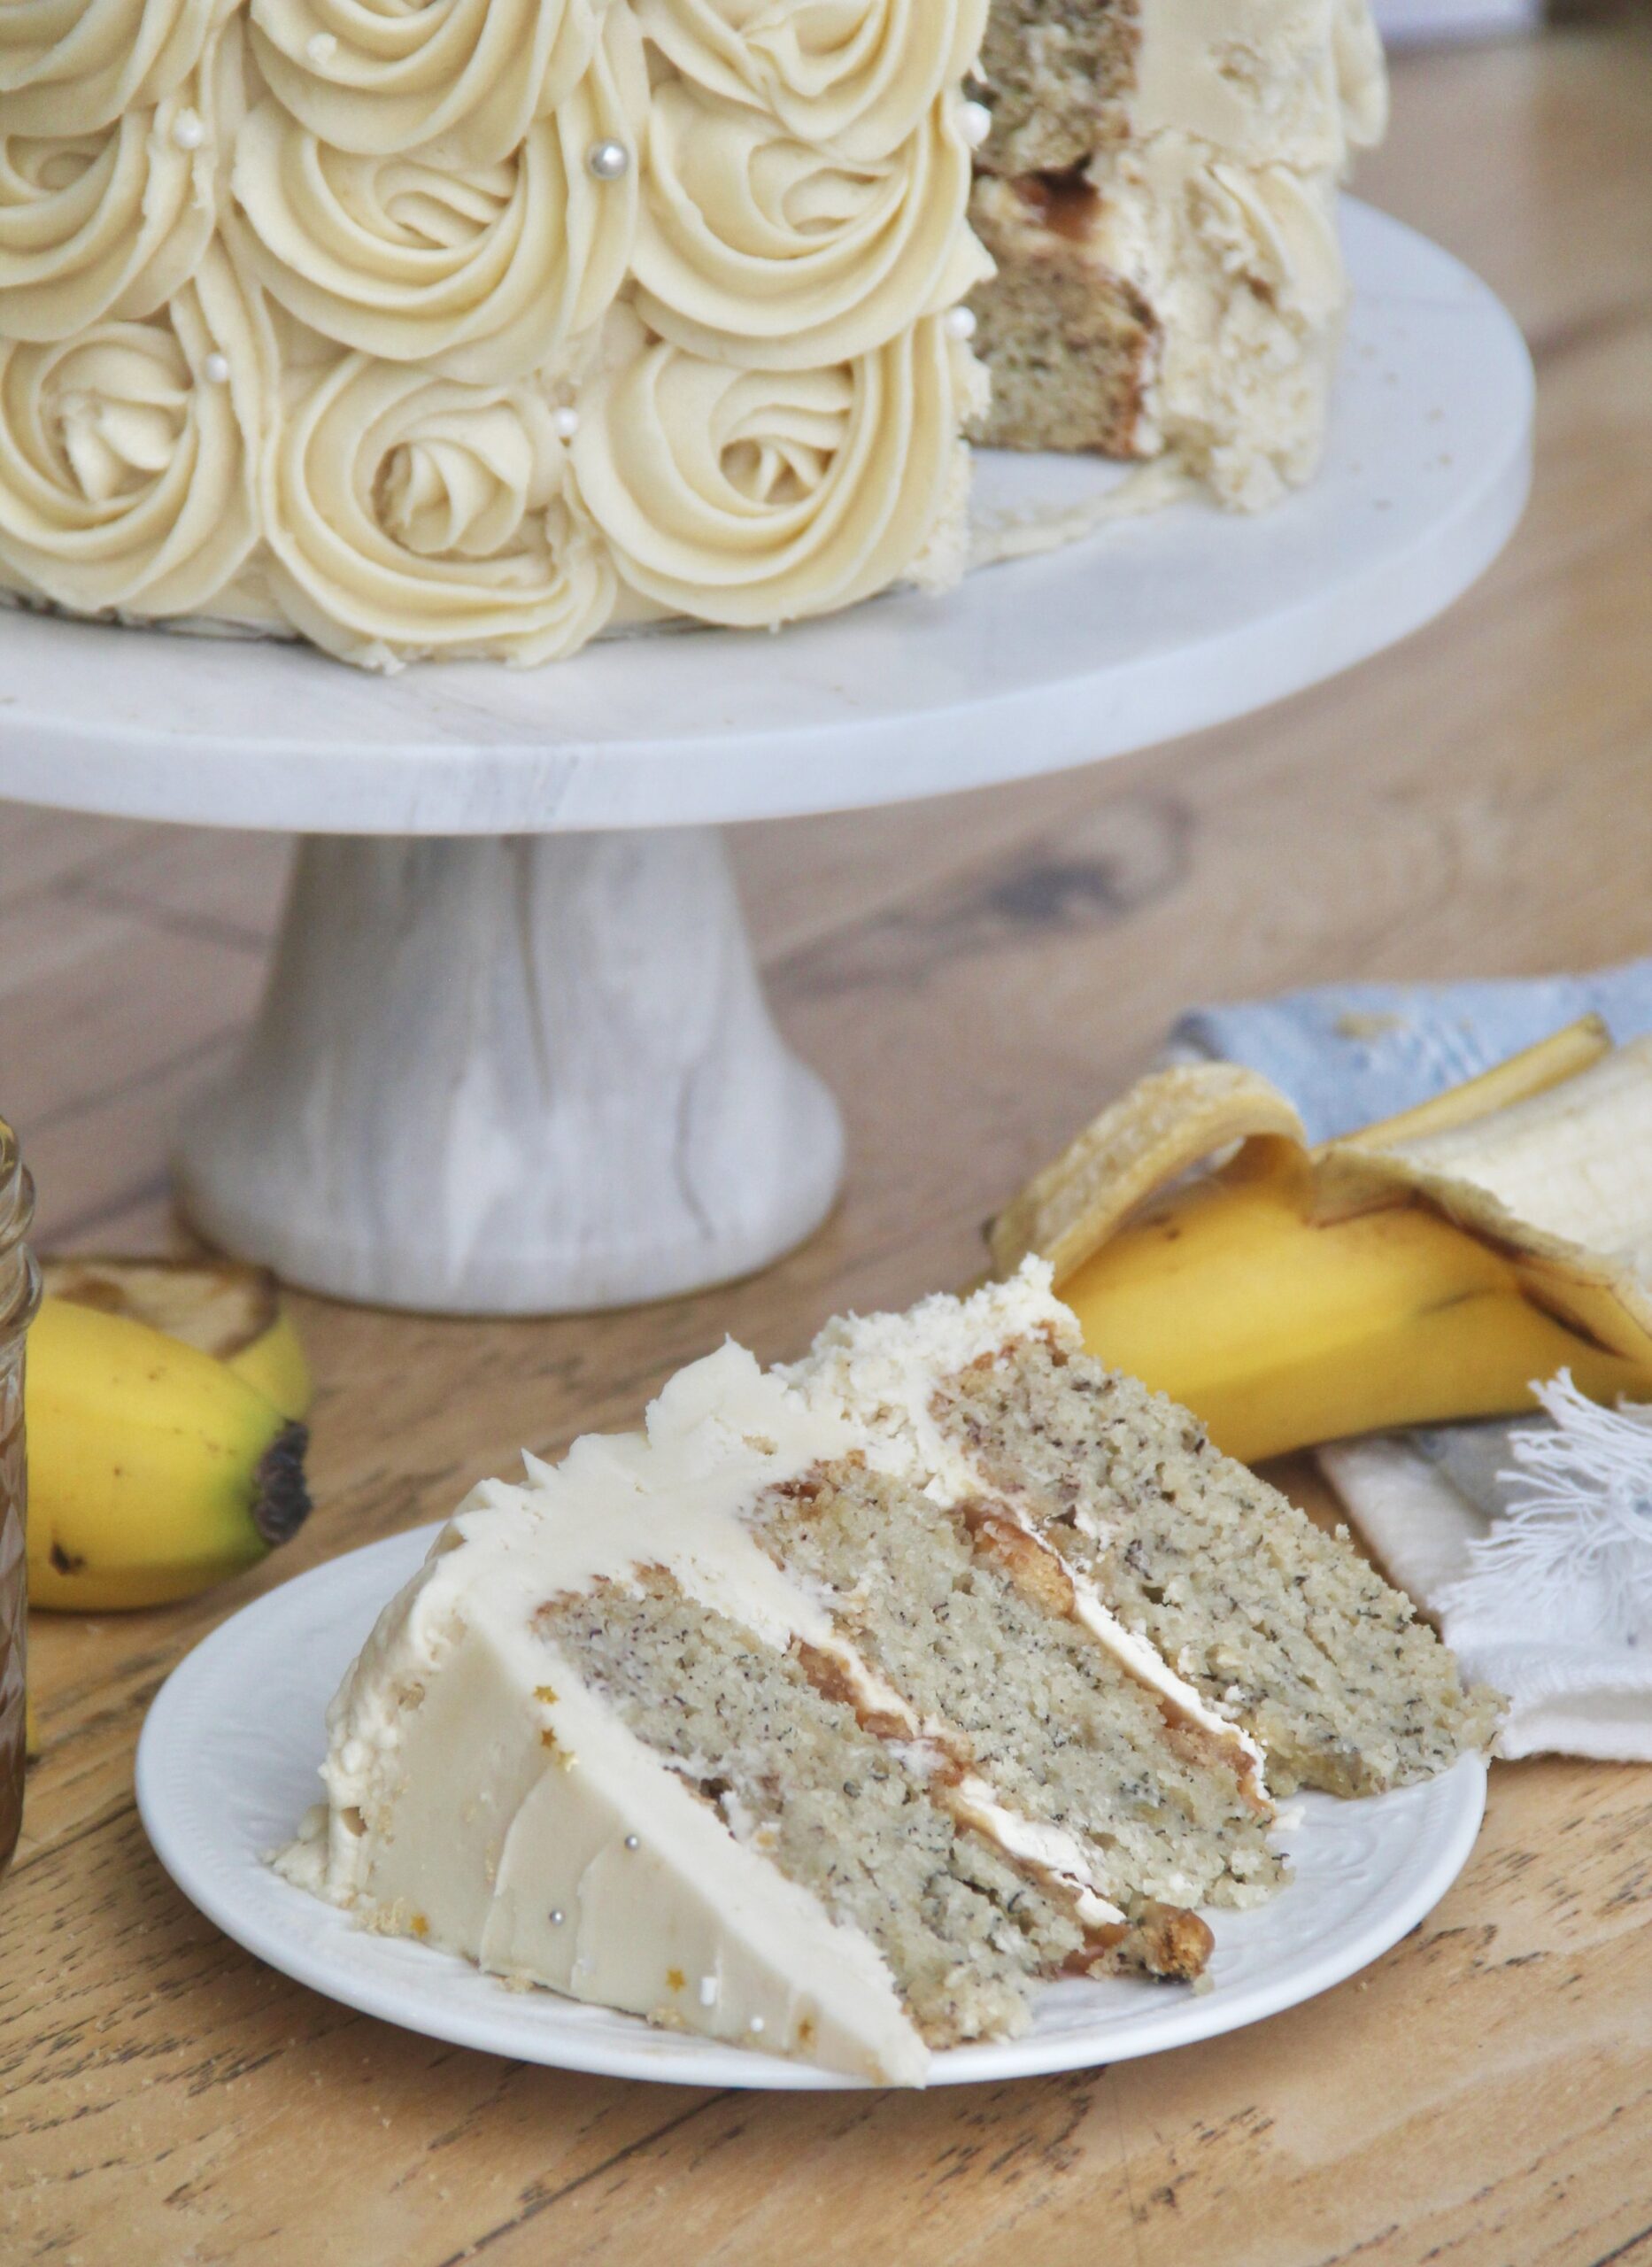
[{"x": 1153, "y": 627}]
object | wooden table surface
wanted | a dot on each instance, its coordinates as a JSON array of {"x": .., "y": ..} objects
[{"x": 974, "y": 976}]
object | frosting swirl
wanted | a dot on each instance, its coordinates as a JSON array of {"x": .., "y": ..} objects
[
  {"x": 113, "y": 220},
  {"x": 125, "y": 471},
  {"x": 856, "y": 79},
  {"x": 383, "y": 76},
  {"x": 480, "y": 271},
  {"x": 411, "y": 515},
  {"x": 67, "y": 68},
  {"x": 756, "y": 497},
  {"x": 756, "y": 247}
]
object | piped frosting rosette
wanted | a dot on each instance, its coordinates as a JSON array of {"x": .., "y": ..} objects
[
  {"x": 480, "y": 271},
  {"x": 756, "y": 497},
  {"x": 465, "y": 77},
  {"x": 411, "y": 515},
  {"x": 855, "y": 76},
  {"x": 755, "y": 247},
  {"x": 126, "y": 455},
  {"x": 69, "y": 65},
  {"x": 114, "y": 220}
]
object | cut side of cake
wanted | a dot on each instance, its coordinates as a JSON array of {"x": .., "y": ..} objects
[
  {"x": 1280, "y": 1628},
  {"x": 1158, "y": 191},
  {"x": 847, "y": 1704}
]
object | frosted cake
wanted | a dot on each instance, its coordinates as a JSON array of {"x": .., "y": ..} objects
[
  {"x": 846, "y": 1705},
  {"x": 475, "y": 327}
]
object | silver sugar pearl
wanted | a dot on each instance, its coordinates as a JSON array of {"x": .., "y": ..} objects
[
  {"x": 565, "y": 422},
  {"x": 960, "y": 322},
  {"x": 607, "y": 160},
  {"x": 557, "y": 1917},
  {"x": 975, "y": 123},
  {"x": 215, "y": 369},
  {"x": 187, "y": 133},
  {"x": 633, "y": 1841}
]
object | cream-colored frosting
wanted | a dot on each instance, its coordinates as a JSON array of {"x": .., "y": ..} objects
[
  {"x": 854, "y": 76},
  {"x": 759, "y": 248},
  {"x": 126, "y": 470},
  {"x": 758, "y": 496},
  {"x": 111, "y": 221},
  {"x": 408, "y": 514},
  {"x": 479, "y": 272},
  {"x": 1289, "y": 83},
  {"x": 427, "y": 212},
  {"x": 66, "y": 69},
  {"x": 465, "y": 77}
]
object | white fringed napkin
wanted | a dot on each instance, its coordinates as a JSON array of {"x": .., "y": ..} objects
[{"x": 1530, "y": 1543}]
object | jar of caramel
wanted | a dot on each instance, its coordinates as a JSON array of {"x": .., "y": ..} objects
[{"x": 20, "y": 1296}]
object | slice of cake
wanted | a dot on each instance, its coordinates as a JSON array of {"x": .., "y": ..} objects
[
  {"x": 721, "y": 1725},
  {"x": 846, "y": 1705},
  {"x": 1158, "y": 190},
  {"x": 1279, "y": 1627}
]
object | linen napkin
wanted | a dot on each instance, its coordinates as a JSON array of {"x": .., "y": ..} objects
[{"x": 1529, "y": 1540}]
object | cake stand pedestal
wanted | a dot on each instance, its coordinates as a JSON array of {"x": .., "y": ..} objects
[{"x": 513, "y": 1056}]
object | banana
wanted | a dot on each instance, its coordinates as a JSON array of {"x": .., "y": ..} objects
[
  {"x": 225, "y": 1307},
  {"x": 154, "y": 1469},
  {"x": 1430, "y": 1268}
]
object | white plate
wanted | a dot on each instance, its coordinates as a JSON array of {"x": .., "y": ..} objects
[{"x": 226, "y": 1765}]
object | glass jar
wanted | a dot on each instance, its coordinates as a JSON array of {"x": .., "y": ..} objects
[{"x": 20, "y": 1296}]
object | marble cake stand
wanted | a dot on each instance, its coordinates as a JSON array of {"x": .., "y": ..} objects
[{"x": 513, "y": 1055}]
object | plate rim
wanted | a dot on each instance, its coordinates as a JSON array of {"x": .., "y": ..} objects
[{"x": 661, "y": 2057}]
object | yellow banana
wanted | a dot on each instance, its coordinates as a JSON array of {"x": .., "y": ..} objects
[
  {"x": 154, "y": 1469},
  {"x": 224, "y": 1307},
  {"x": 1430, "y": 1269}
]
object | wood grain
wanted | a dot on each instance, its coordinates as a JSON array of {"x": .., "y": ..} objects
[{"x": 974, "y": 976}]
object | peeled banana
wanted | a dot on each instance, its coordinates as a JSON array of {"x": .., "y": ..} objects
[
  {"x": 1430, "y": 1268},
  {"x": 155, "y": 1465}
]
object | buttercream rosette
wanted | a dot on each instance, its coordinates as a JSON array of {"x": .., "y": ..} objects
[
  {"x": 479, "y": 272},
  {"x": 755, "y": 247},
  {"x": 856, "y": 79},
  {"x": 126, "y": 467},
  {"x": 411, "y": 515},
  {"x": 114, "y": 220},
  {"x": 757, "y": 496},
  {"x": 68, "y": 67},
  {"x": 465, "y": 77}
]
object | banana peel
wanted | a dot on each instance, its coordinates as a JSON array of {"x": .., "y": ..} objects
[
  {"x": 1430, "y": 1268},
  {"x": 165, "y": 1452}
]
